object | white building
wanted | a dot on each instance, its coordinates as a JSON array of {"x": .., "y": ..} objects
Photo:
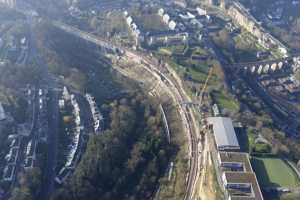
[
  {"x": 129, "y": 20},
  {"x": 166, "y": 18},
  {"x": 161, "y": 12},
  {"x": 172, "y": 25},
  {"x": 2, "y": 113},
  {"x": 201, "y": 11}
]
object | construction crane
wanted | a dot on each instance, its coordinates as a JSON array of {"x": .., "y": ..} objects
[{"x": 205, "y": 85}]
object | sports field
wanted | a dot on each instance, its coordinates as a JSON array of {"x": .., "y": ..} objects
[{"x": 274, "y": 172}]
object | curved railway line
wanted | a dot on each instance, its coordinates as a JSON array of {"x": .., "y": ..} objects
[{"x": 176, "y": 90}]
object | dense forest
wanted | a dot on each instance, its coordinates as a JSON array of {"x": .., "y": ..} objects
[
  {"x": 127, "y": 160},
  {"x": 29, "y": 182}
]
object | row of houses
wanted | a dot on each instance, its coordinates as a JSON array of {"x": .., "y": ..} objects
[
  {"x": 167, "y": 19},
  {"x": 136, "y": 32},
  {"x": 234, "y": 170},
  {"x": 11, "y": 158},
  {"x": 76, "y": 135},
  {"x": 241, "y": 16},
  {"x": 30, "y": 154},
  {"x": 97, "y": 116}
]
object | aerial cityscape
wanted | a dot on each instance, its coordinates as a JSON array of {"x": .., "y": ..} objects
[{"x": 149, "y": 99}]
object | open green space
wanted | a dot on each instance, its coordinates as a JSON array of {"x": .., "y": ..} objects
[
  {"x": 224, "y": 101},
  {"x": 274, "y": 172},
  {"x": 150, "y": 22},
  {"x": 174, "y": 49},
  {"x": 198, "y": 51}
]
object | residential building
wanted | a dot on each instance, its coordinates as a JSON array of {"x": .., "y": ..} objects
[{"x": 167, "y": 38}]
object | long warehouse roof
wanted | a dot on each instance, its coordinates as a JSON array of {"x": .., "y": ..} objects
[{"x": 224, "y": 133}]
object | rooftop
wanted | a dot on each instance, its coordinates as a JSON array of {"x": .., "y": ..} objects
[
  {"x": 242, "y": 186},
  {"x": 229, "y": 159},
  {"x": 224, "y": 133}
]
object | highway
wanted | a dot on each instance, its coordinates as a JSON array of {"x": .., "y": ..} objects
[{"x": 173, "y": 86}]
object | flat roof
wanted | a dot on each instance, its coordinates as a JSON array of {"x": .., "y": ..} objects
[
  {"x": 224, "y": 133},
  {"x": 235, "y": 157},
  {"x": 243, "y": 178}
]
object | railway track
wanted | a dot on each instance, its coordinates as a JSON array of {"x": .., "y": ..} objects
[{"x": 175, "y": 87}]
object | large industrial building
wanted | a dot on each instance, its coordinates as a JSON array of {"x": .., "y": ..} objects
[
  {"x": 233, "y": 168},
  {"x": 238, "y": 179},
  {"x": 224, "y": 134}
]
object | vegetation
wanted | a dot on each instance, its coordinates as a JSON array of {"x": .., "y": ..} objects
[
  {"x": 224, "y": 101},
  {"x": 175, "y": 188},
  {"x": 112, "y": 22},
  {"x": 30, "y": 182},
  {"x": 127, "y": 160},
  {"x": 287, "y": 28},
  {"x": 237, "y": 48},
  {"x": 14, "y": 77},
  {"x": 274, "y": 172},
  {"x": 150, "y": 22}
]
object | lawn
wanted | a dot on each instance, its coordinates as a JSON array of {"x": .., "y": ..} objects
[
  {"x": 225, "y": 102},
  {"x": 274, "y": 172},
  {"x": 150, "y": 22},
  {"x": 165, "y": 51},
  {"x": 197, "y": 76}
]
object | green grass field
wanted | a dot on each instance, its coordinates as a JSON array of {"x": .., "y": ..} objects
[
  {"x": 274, "y": 172},
  {"x": 225, "y": 102}
]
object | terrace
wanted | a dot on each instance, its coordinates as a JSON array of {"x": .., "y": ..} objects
[
  {"x": 231, "y": 161},
  {"x": 241, "y": 186}
]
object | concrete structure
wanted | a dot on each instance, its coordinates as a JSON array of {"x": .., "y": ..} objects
[
  {"x": 268, "y": 66},
  {"x": 224, "y": 133}
]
